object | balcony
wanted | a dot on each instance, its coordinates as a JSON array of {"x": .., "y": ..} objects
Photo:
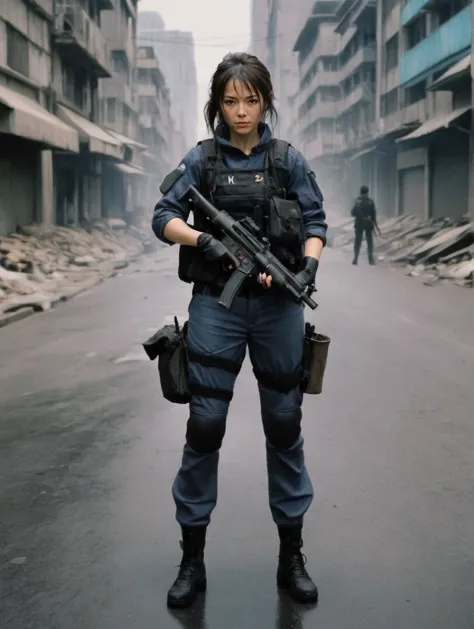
[
  {"x": 416, "y": 113},
  {"x": 363, "y": 55},
  {"x": 412, "y": 9},
  {"x": 320, "y": 147},
  {"x": 362, "y": 93},
  {"x": 44, "y": 7},
  {"x": 449, "y": 42},
  {"x": 347, "y": 37},
  {"x": 154, "y": 122},
  {"x": 320, "y": 79},
  {"x": 81, "y": 42},
  {"x": 117, "y": 87},
  {"x": 122, "y": 42},
  {"x": 319, "y": 111},
  {"x": 147, "y": 89}
]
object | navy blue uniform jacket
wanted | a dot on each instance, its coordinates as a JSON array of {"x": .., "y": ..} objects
[{"x": 302, "y": 184}]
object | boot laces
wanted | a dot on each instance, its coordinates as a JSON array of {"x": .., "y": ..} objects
[
  {"x": 187, "y": 566},
  {"x": 298, "y": 563},
  {"x": 297, "y": 560}
]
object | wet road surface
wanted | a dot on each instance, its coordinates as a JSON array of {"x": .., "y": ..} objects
[{"x": 89, "y": 449}]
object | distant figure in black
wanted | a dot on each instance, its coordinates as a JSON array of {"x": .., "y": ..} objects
[{"x": 365, "y": 222}]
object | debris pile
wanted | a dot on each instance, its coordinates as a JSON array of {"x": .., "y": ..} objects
[
  {"x": 435, "y": 250},
  {"x": 45, "y": 264}
]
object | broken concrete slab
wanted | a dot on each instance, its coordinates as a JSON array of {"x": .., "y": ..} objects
[{"x": 46, "y": 264}]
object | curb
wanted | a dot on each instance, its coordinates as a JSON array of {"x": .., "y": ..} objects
[
  {"x": 12, "y": 317},
  {"x": 19, "y": 315}
]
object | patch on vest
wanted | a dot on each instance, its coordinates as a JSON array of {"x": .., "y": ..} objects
[
  {"x": 258, "y": 178},
  {"x": 172, "y": 178}
]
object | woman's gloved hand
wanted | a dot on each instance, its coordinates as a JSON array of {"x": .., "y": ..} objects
[
  {"x": 307, "y": 274},
  {"x": 212, "y": 248}
]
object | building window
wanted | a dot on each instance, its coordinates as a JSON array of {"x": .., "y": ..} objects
[
  {"x": 17, "y": 51},
  {"x": 74, "y": 86},
  {"x": 110, "y": 113},
  {"x": 391, "y": 53},
  {"x": 447, "y": 10},
  {"x": 416, "y": 31},
  {"x": 389, "y": 103},
  {"x": 415, "y": 93}
]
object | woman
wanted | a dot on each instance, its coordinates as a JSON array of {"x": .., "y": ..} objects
[{"x": 245, "y": 172}]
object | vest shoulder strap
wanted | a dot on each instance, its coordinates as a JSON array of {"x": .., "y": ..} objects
[
  {"x": 208, "y": 148},
  {"x": 279, "y": 157}
]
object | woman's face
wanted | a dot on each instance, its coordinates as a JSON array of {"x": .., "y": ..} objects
[{"x": 241, "y": 108}]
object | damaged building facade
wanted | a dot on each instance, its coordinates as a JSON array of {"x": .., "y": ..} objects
[
  {"x": 72, "y": 144},
  {"x": 384, "y": 98}
]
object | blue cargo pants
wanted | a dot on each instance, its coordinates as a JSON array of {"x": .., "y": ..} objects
[{"x": 273, "y": 329}]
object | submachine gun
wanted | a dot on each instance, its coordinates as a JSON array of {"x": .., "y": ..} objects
[{"x": 250, "y": 255}]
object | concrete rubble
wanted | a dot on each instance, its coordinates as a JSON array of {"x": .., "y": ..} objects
[
  {"x": 43, "y": 265},
  {"x": 438, "y": 250}
]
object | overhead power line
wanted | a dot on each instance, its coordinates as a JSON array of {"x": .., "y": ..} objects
[{"x": 228, "y": 43}]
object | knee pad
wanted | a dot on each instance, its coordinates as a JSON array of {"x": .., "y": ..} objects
[
  {"x": 282, "y": 429},
  {"x": 205, "y": 433}
]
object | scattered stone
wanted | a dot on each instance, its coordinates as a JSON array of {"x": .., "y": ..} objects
[
  {"x": 42, "y": 263},
  {"x": 437, "y": 251}
]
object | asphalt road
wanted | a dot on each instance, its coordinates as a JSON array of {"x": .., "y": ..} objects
[{"x": 89, "y": 449}]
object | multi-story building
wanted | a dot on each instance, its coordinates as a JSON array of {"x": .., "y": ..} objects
[
  {"x": 28, "y": 129},
  {"x": 285, "y": 20},
  {"x": 122, "y": 183},
  {"x": 155, "y": 120},
  {"x": 81, "y": 58},
  {"x": 259, "y": 24},
  {"x": 319, "y": 97},
  {"x": 402, "y": 116},
  {"x": 434, "y": 97},
  {"x": 119, "y": 100},
  {"x": 175, "y": 51}
]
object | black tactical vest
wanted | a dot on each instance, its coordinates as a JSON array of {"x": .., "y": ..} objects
[{"x": 240, "y": 193}]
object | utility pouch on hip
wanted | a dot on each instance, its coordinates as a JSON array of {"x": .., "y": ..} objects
[
  {"x": 315, "y": 356},
  {"x": 285, "y": 223},
  {"x": 170, "y": 345}
]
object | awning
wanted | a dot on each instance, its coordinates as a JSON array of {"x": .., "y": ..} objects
[
  {"x": 128, "y": 141},
  {"x": 435, "y": 124},
  {"x": 456, "y": 71},
  {"x": 99, "y": 141},
  {"x": 129, "y": 169},
  {"x": 365, "y": 151},
  {"x": 26, "y": 118}
]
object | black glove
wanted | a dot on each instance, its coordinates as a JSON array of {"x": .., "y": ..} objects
[
  {"x": 211, "y": 248},
  {"x": 307, "y": 275}
]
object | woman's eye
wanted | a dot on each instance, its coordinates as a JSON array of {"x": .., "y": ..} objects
[
  {"x": 228, "y": 102},
  {"x": 253, "y": 101}
]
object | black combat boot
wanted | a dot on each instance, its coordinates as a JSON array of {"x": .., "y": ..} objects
[
  {"x": 191, "y": 577},
  {"x": 292, "y": 575}
]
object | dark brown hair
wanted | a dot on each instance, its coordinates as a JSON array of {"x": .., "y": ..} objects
[{"x": 239, "y": 66}]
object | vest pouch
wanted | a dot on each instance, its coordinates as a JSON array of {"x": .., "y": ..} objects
[
  {"x": 170, "y": 346},
  {"x": 285, "y": 223},
  {"x": 315, "y": 356},
  {"x": 193, "y": 267}
]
